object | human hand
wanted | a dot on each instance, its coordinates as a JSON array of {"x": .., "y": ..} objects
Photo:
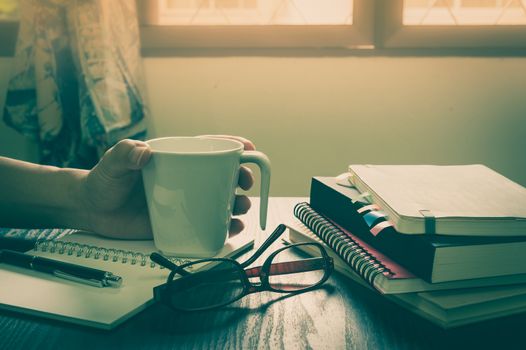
[{"x": 113, "y": 195}]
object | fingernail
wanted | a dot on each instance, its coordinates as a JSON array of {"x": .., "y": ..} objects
[{"x": 135, "y": 155}]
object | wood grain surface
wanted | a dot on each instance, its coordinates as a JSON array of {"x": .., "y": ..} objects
[{"x": 340, "y": 315}]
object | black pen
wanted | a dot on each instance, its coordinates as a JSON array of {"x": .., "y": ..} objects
[{"x": 72, "y": 272}]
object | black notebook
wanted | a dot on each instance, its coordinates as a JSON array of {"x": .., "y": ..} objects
[{"x": 434, "y": 258}]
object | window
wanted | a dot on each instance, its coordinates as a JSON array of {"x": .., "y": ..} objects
[
  {"x": 337, "y": 23},
  {"x": 464, "y": 12},
  {"x": 168, "y": 25},
  {"x": 8, "y": 10},
  {"x": 255, "y": 12},
  {"x": 453, "y": 24},
  {"x": 257, "y": 23},
  {"x": 8, "y": 26}
]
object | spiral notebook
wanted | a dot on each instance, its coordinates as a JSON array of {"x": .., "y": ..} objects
[
  {"x": 39, "y": 294},
  {"x": 446, "y": 308},
  {"x": 357, "y": 258}
]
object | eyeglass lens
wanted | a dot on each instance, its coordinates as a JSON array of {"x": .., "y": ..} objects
[
  {"x": 290, "y": 272},
  {"x": 218, "y": 283}
]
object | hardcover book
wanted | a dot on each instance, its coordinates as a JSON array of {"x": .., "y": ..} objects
[
  {"x": 435, "y": 258},
  {"x": 456, "y": 200}
]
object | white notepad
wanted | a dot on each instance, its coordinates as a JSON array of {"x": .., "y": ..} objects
[
  {"x": 456, "y": 200},
  {"x": 40, "y": 294}
]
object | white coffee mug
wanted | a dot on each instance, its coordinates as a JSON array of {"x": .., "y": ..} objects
[{"x": 190, "y": 185}]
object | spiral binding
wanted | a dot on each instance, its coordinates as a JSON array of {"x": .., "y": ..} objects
[
  {"x": 360, "y": 260},
  {"x": 94, "y": 252}
]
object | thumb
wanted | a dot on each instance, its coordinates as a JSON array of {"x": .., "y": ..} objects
[{"x": 125, "y": 156}]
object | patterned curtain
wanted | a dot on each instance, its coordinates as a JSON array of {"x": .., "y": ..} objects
[{"x": 77, "y": 84}]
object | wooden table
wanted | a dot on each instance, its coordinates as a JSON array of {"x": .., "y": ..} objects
[{"x": 341, "y": 315}]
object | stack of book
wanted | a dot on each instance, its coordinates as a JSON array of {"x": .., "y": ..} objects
[{"x": 446, "y": 242}]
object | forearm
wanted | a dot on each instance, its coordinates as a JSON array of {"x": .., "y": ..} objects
[{"x": 34, "y": 195}]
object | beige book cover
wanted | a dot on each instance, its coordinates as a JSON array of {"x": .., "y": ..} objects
[{"x": 450, "y": 200}]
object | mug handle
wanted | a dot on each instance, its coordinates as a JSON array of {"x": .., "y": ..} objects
[{"x": 262, "y": 161}]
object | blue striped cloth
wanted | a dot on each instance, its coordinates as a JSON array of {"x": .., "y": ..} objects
[
  {"x": 77, "y": 85},
  {"x": 35, "y": 234}
]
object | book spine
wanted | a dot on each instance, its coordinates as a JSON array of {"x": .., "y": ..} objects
[
  {"x": 359, "y": 259},
  {"x": 411, "y": 252}
]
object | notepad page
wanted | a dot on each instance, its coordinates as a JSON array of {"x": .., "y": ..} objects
[
  {"x": 53, "y": 297},
  {"x": 40, "y": 294}
]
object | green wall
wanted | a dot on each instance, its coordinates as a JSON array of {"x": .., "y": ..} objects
[{"x": 315, "y": 115}]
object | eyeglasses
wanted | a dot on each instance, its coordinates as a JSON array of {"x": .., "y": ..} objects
[{"x": 221, "y": 281}]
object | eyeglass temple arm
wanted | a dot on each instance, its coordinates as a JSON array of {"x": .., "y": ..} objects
[
  {"x": 161, "y": 260},
  {"x": 283, "y": 268},
  {"x": 289, "y": 267},
  {"x": 273, "y": 236}
]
